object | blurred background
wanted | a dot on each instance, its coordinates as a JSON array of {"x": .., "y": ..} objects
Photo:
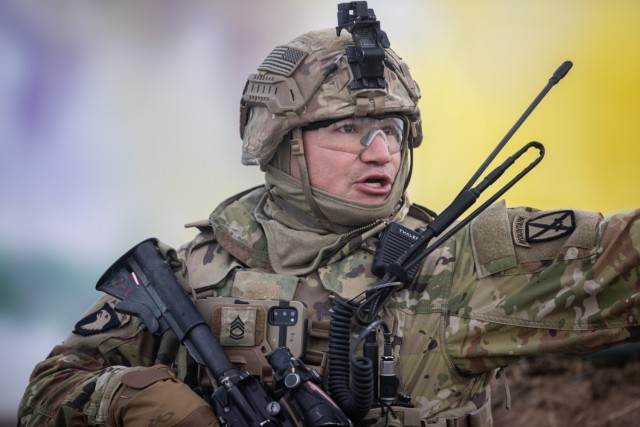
[{"x": 119, "y": 121}]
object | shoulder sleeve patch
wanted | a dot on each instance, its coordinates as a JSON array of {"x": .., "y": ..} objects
[
  {"x": 102, "y": 320},
  {"x": 543, "y": 228},
  {"x": 542, "y": 236},
  {"x": 525, "y": 240}
]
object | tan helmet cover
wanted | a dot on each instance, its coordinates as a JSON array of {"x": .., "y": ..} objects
[{"x": 298, "y": 84}]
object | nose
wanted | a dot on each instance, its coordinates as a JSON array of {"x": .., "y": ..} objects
[{"x": 377, "y": 151}]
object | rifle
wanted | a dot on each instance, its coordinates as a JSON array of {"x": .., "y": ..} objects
[{"x": 147, "y": 287}]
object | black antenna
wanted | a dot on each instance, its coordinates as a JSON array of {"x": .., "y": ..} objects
[
  {"x": 562, "y": 71},
  {"x": 397, "y": 271}
]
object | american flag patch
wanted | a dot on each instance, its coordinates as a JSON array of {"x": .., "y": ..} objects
[{"x": 282, "y": 60}]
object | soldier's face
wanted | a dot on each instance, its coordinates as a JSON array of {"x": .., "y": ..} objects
[{"x": 365, "y": 176}]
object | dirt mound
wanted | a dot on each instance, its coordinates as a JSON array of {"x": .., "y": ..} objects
[{"x": 555, "y": 392}]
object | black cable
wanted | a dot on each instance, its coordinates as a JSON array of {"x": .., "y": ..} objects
[{"x": 351, "y": 379}]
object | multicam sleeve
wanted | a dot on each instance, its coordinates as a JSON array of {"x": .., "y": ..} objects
[
  {"x": 530, "y": 283},
  {"x": 74, "y": 384}
]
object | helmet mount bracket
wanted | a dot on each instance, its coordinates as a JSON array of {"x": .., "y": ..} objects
[{"x": 366, "y": 56}]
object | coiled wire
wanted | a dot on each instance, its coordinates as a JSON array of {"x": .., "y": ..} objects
[{"x": 351, "y": 379}]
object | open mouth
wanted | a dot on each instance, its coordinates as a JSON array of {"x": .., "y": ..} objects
[{"x": 376, "y": 181}]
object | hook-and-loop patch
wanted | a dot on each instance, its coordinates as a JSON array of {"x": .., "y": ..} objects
[{"x": 543, "y": 228}]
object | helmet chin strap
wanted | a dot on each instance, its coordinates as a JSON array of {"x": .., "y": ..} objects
[{"x": 297, "y": 150}]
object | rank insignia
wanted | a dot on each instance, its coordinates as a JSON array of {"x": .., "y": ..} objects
[{"x": 101, "y": 320}]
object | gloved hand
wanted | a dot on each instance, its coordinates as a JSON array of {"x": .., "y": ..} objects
[{"x": 154, "y": 397}]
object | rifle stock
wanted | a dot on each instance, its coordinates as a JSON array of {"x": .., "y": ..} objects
[{"x": 147, "y": 287}]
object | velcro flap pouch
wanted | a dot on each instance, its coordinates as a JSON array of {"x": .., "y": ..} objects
[
  {"x": 143, "y": 378},
  {"x": 208, "y": 266},
  {"x": 491, "y": 241},
  {"x": 251, "y": 284}
]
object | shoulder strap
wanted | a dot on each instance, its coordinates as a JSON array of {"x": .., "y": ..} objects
[{"x": 422, "y": 213}]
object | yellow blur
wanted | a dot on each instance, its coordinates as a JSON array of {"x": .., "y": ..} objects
[{"x": 483, "y": 65}]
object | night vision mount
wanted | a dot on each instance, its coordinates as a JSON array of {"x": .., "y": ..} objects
[{"x": 367, "y": 55}]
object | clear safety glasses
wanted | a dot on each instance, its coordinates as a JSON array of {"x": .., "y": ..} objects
[{"x": 353, "y": 135}]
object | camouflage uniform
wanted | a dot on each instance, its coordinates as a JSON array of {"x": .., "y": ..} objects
[
  {"x": 486, "y": 297},
  {"x": 513, "y": 283}
]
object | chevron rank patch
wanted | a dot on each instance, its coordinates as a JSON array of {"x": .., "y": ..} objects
[
  {"x": 282, "y": 60},
  {"x": 543, "y": 228},
  {"x": 101, "y": 320}
]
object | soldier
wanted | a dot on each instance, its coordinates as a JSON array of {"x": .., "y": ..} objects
[{"x": 334, "y": 140}]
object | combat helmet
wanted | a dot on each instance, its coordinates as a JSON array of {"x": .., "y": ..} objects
[{"x": 324, "y": 75}]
